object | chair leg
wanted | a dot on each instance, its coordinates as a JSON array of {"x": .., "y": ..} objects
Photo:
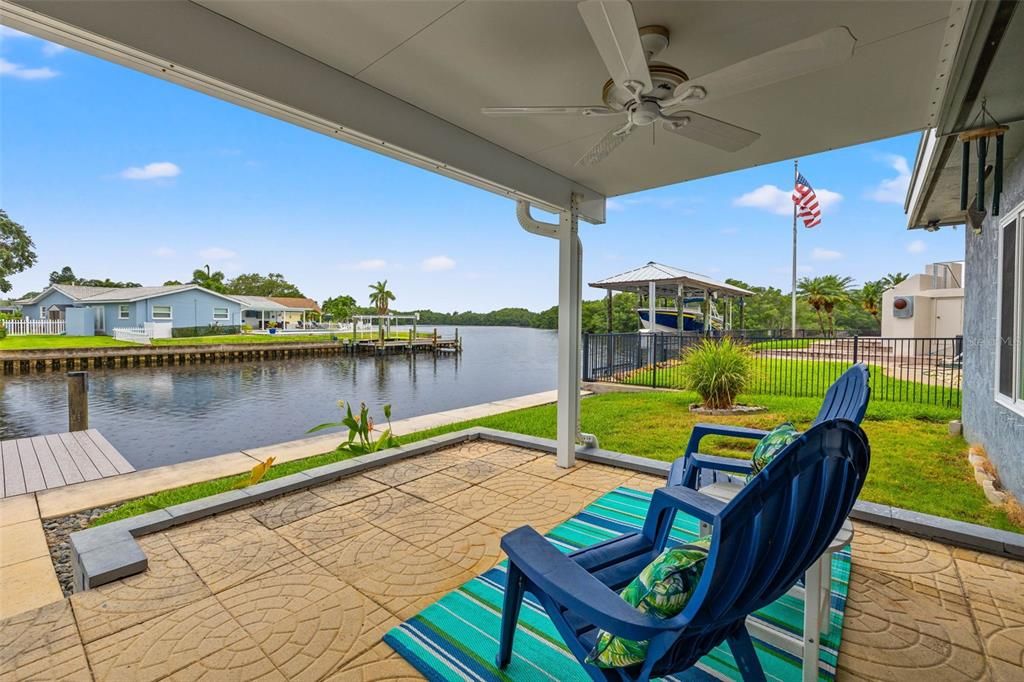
[
  {"x": 515, "y": 585},
  {"x": 746, "y": 658}
]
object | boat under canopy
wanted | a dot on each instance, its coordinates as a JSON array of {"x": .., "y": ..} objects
[{"x": 694, "y": 298}]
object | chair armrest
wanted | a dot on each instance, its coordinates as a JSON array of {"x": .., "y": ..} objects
[
  {"x": 704, "y": 507},
  {"x": 572, "y": 587},
  {"x": 730, "y": 465},
  {"x": 701, "y": 430}
]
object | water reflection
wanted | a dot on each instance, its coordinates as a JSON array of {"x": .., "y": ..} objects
[{"x": 162, "y": 415}]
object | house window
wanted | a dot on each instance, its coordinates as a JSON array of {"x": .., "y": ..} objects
[
  {"x": 1010, "y": 309},
  {"x": 221, "y": 314},
  {"x": 123, "y": 312},
  {"x": 42, "y": 312},
  {"x": 161, "y": 312}
]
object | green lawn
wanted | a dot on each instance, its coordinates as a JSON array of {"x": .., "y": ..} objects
[
  {"x": 780, "y": 344},
  {"x": 53, "y": 342},
  {"x": 807, "y": 378},
  {"x": 915, "y": 463},
  {"x": 33, "y": 342}
]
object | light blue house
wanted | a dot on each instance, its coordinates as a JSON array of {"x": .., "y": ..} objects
[{"x": 182, "y": 305}]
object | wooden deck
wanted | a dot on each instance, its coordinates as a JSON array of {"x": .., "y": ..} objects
[{"x": 43, "y": 462}]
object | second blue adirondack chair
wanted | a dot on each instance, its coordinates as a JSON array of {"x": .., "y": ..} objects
[
  {"x": 763, "y": 541},
  {"x": 846, "y": 398}
]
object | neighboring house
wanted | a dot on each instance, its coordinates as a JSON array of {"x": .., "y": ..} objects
[
  {"x": 300, "y": 309},
  {"x": 183, "y": 305},
  {"x": 9, "y": 307},
  {"x": 993, "y": 358},
  {"x": 261, "y": 312},
  {"x": 926, "y": 306}
]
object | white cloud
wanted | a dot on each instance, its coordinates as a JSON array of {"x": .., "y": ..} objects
[
  {"x": 23, "y": 73},
  {"x": 217, "y": 253},
  {"x": 780, "y": 201},
  {"x": 437, "y": 263},
  {"x": 893, "y": 190},
  {"x": 368, "y": 264},
  {"x": 152, "y": 171},
  {"x": 164, "y": 252},
  {"x": 52, "y": 49},
  {"x": 917, "y": 246},
  {"x": 614, "y": 205},
  {"x": 825, "y": 254}
]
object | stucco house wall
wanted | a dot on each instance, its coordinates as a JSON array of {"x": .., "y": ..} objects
[
  {"x": 997, "y": 427},
  {"x": 192, "y": 308}
]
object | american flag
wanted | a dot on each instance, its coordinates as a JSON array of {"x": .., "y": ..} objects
[{"x": 806, "y": 201}]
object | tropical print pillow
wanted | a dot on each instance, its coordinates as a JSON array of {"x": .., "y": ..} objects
[
  {"x": 662, "y": 589},
  {"x": 770, "y": 446}
]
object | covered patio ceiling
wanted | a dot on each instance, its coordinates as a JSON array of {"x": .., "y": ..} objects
[{"x": 408, "y": 78}]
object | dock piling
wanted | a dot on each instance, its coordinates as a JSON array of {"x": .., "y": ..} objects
[{"x": 78, "y": 401}]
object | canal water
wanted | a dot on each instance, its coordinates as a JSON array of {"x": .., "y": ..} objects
[{"x": 164, "y": 415}]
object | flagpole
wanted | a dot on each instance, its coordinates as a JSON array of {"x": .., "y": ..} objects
[{"x": 796, "y": 174}]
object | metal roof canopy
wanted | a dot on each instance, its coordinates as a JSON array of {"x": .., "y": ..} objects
[
  {"x": 407, "y": 78},
  {"x": 667, "y": 281},
  {"x": 989, "y": 71}
]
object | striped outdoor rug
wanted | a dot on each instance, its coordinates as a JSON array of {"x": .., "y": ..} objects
[{"x": 456, "y": 638}]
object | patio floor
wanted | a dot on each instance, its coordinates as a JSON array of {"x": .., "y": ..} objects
[{"x": 303, "y": 587}]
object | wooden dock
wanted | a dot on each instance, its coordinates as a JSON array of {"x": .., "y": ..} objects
[
  {"x": 69, "y": 359},
  {"x": 45, "y": 462}
]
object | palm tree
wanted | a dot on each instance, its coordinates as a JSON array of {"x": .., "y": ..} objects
[
  {"x": 813, "y": 290},
  {"x": 380, "y": 298},
  {"x": 871, "y": 297},
  {"x": 838, "y": 293},
  {"x": 823, "y": 294},
  {"x": 214, "y": 281},
  {"x": 892, "y": 279}
]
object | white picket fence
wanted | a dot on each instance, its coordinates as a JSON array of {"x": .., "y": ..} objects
[
  {"x": 144, "y": 333},
  {"x": 27, "y": 326},
  {"x": 133, "y": 334}
]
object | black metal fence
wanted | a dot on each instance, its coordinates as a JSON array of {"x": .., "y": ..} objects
[{"x": 904, "y": 369}]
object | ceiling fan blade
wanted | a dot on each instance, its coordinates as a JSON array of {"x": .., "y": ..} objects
[
  {"x": 820, "y": 51},
  {"x": 608, "y": 143},
  {"x": 530, "y": 111},
  {"x": 612, "y": 26},
  {"x": 710, "y": 131}
]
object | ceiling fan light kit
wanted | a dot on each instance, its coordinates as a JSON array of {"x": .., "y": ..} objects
[{"x": 647, "y": 91}]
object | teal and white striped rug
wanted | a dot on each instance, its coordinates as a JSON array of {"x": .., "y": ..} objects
[{"x": 456, "y": 638}]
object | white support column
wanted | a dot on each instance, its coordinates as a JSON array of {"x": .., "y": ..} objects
[
  {"x": 569, "y": 310},
  {"x": 570, "y": 287}
]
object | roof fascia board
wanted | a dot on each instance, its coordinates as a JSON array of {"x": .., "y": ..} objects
[{"x": 227, "y": 60}]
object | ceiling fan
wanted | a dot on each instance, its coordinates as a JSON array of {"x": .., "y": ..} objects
[{"x": 647, "y": 91}]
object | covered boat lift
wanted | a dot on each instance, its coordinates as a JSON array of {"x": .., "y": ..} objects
[
  {"x": 655, "y": 281},
  {"x": 409, "y": 80}
]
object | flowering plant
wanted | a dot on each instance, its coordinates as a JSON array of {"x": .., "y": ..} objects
[{"x": 361, "y": 430}]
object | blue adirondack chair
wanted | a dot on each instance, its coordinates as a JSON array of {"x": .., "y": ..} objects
[
  {"x": 846, "y": 398},
  {"x": 762, "y": 543}
]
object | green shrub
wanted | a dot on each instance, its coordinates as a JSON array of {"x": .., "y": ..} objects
[
  {"x": 3, "y": 332},
  {"x": 718, "y": 371},
  {"x": 246, "y": 328},
  {"x": 210, "y": 330}
]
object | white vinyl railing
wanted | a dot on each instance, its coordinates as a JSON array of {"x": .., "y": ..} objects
[
  {"x": 143, "y": 333},
  {"x": 133, "y": 334},
  {"x": 27, "y": 326}
]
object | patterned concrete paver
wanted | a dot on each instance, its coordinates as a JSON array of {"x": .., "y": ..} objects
[
  {"x": 169, "y": 584},
  {"x": 304, "y": 587},
  {"x": 42, "y": 644}
]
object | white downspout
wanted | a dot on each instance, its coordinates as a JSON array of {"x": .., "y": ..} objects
[{"x": 570, "y": 288}]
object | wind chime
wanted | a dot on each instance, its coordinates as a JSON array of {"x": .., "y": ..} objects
[{"x": 985, "y": 127}]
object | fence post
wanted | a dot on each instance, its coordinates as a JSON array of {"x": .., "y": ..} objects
[
  {"x": 654, "y": 360},
  {"x": 855, "y": 343},
  {"x": 586, "y": 357},
  {"x": 78, "y": 401}
]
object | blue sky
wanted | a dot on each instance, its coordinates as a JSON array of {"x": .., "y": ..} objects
[{"x": 122, "y": 175}]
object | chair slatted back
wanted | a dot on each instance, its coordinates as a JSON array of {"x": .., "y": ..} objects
[
  {"x": 847, "y": 397},
  {"x": 781, "y": 521}
]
